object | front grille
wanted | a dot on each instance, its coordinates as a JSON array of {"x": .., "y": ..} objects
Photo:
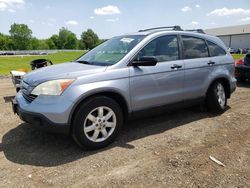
[{"x": 26, "y": 92}]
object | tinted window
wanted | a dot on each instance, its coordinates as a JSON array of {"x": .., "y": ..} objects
[
  {"x": 194, "y": 47},
  {"x": 215, "y": 50},
  {"x": 164, "y": 48}
]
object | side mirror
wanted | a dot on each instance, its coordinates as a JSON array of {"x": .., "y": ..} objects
[{"x": 145, "y": 61}]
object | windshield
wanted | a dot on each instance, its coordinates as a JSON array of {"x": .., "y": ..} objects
[{"x": 111, "y": 51}]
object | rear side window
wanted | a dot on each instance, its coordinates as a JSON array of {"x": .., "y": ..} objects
[
  {"x": 194, "y": 47},
  {"x": 164, "y": 48},
  {"x": 215, "y": 50}
]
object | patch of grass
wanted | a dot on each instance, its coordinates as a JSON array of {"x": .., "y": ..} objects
[{"x": 22, "y": 62}]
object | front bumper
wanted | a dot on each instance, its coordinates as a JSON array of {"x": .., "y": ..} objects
[{"x": 39, "y": 120}]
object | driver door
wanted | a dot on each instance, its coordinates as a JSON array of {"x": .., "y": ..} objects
[{"x": 162, "y": 84}]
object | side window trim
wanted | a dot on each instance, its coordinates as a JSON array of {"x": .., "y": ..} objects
[
  {"x": 209, "y": 53},
  {"x": 181, "y": 47}
]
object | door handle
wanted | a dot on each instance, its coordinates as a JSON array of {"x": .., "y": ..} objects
[
  {"x": 211, "y": 63},
  {"x": 175, "y": 66}
]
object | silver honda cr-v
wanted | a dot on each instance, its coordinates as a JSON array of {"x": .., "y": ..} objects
[{"x": 127, "y": 76}]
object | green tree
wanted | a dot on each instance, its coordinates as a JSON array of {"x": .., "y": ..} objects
[
  {"x": 2, "y": 41},
  {"x": 53, "y": 42},
  {"x": 34, "y": 43},
  {"x": 89, "y": 39},
  {"x": 66, "y": 39},
  {"x": 80, "y": 45},
  {"x": 71, "y": 42},
  {"x": 43, "y": 45},
  {"x": 6, "y": 43},
  {"x": 21, "y": 36}
]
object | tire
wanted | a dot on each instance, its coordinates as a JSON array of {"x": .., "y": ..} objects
[
  {"x": 216, "y": 98},
  {"x": 97, "y": 122}
]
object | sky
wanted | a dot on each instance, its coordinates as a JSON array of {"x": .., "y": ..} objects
[{"x": 110, "y": 18}]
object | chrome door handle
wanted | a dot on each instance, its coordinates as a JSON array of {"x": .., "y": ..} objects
[
  {"x": 175, "y": 66},
  {"x": 211, "y": 63}
]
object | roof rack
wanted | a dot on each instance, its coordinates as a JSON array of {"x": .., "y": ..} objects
[
  {"x": 176, "y": 27},
  {"x": 197, "y": 30}
]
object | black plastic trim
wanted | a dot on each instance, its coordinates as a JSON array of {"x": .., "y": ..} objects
[{"x": 147, "y": 112}]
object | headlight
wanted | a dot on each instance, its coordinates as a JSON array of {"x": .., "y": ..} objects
[{"x": 53, "y": 87}]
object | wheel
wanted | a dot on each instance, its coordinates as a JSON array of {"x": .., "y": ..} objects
[
  {"x": 216, "y": 98},
  {"x": 97, "y": 122}
]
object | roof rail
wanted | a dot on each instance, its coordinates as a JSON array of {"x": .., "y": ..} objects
[
  {"x": 197, "y": 30},
  {"x": 176, "y": 27}
]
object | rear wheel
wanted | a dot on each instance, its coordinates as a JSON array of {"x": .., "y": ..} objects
[
  {"x": 216, "y": 97},
  {"x": 97, "y": 122}
]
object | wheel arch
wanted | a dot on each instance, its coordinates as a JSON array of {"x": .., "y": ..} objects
[
  {"x": 119, "y": 98},
  {"x": 225, "y": 83}
]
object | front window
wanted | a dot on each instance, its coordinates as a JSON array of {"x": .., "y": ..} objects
[
  {"x": 164, "y": 48},
  {"x": 111, "y": 51}
]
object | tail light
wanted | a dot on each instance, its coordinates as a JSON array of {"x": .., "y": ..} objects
[{"x": 239, "y": 62}]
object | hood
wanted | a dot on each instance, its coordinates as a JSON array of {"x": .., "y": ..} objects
[{"x": 61, "y": 71}]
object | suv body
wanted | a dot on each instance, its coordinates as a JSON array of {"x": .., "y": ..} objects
[{"x": 161, "y": 68}]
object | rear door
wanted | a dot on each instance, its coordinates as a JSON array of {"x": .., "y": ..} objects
[
  {"x": 161, "y": 84},
  {"x": 198, "y": 66}
]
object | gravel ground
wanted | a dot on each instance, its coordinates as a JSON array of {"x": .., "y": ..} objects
[{"x": 170, "y": 150}]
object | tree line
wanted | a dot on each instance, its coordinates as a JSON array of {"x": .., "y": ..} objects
[{"x": 20, "y": 38}]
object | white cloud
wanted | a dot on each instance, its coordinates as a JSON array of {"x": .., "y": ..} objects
[
  {"x": 229, "y": 12},
  {"x": 3, "y": 6},
  {"x": 91, "y": 17},
  {"x": 112, "y": 20},
  {"x": 71, "y": 22},
  {"x": 186, "y": 9},
  {"x": 247, "y": 19},
  {"x": 108, "y": 10},
  {"x": 197, "y": 6},
  {"x": 11, "y": 5},
  {"x": 194, "y": 23}
]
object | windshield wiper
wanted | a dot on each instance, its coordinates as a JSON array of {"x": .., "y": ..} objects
[
  {"x": 93, "y": 63},
  {"x": 84, "y": 62}
]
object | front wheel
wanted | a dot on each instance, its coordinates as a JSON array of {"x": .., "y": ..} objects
[
  {"x": 97, "y": 122},
  {"x": 216, "y": 97}
]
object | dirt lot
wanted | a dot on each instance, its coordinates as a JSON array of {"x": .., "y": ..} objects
[{"x": 164, "y": 151}]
